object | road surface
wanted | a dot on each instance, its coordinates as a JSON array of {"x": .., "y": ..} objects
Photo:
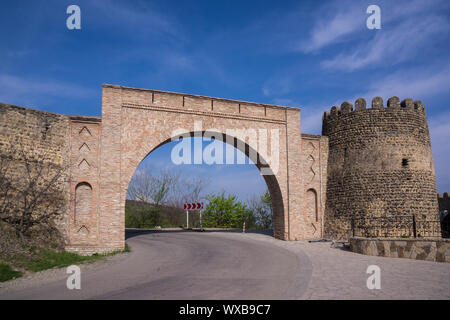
[
  {"x": 186, "y": 265},
  {"x": 232, "y": 265}
]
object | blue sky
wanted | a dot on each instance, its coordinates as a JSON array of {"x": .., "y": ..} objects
[{"x": 307, "y": 54}]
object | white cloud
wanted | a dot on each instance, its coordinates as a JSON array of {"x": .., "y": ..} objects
[
  {"x": 402, "y": 8},
  {"x": 331, "y": 29},
  {"x": 392, "y": 45},
  {"x": 14, "y": 87},
  {"x": 137, "y": 16},
  {"x": 407, "y": 27},
  {"x": 277, "y": 85},
  {"x": 415, "y": 83}
]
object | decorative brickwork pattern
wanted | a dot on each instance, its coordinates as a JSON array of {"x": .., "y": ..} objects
[
  {"x": 314, "y": 157},
  {"x": 84, "y": 144}
]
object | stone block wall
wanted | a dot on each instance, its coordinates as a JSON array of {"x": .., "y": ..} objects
[
  {"x": 431, "y": 249},
  {"x": 444, "y": 202},
  {"x": 37, "y": 136},
  {"x": 380, "y": 164}
]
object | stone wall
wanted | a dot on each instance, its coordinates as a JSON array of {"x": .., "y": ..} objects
[
  {"x": 380, "y": 164},
  {"x": 420, "y": 249},
  {"x": 37, "y": 136},
  {"x": 444, "y": 202},
  {"x": 444, "y": 210}
]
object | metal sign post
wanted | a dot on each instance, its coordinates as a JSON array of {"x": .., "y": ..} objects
[
  {"x": 187, "y": 219},
  {"x": 193, "y": 206}
]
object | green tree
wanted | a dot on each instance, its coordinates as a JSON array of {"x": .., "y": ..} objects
[
  {"x": 267, "y": 200},
  {"x": 261, "y": 207},
  {"x": 144, "y": 218},
  {"x": 225, "y": 212},
  {"x": 265, "y": 217},
  {"x": 250, "y": 219}
]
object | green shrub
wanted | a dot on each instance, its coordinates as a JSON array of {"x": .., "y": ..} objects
[
  {"x": 146, "y": 219},
  {"x": 225, "y": 212},
  {"x": 140, "y": 214}
]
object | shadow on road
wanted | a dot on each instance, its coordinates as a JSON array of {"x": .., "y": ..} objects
[{"x": 130, "y": 233}]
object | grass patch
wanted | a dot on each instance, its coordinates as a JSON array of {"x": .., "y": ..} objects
[
  {"x": 47, "y": 259},
  {"x": 50, "y": 259},
  {"x": 7, "y": 273}
]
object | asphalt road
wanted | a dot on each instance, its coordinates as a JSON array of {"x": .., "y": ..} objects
[{"x": 185, "y": 265}]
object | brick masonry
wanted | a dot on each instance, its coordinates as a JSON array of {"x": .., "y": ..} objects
[
  {"x": 83, "y": 218},
  {"x": 145, "y": 119},
  {"x": 356, "y": 162}
]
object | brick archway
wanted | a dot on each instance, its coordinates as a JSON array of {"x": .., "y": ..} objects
[
  {"x": 270, "y": 179},
  {"x": 136, "y": 121}
]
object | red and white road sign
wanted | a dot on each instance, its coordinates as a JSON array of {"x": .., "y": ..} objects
[{"x": 193, "y": 206}]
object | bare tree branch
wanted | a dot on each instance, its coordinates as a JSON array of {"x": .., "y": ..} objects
[
  {"x": 31, "y": 191},
  {"x": 168, "y": 187}
]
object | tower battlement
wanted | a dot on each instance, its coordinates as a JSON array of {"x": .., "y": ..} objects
[{"x": 377, "y": 104}]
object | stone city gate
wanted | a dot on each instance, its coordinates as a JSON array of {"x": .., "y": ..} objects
[
  {"x": 375, "y": 164},
  {"x": 105, "y": 152}
]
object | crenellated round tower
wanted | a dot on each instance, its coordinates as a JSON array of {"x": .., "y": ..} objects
[{"x": 380, "y": 165}]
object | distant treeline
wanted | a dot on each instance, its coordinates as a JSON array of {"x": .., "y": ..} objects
[
  {"x": 156, "y": 200},
  {"x": 143, "y": 215},
  {"x": 221, "y": 211}
]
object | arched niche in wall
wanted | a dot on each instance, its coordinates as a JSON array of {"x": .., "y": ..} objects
[
  {"x": 311, "y": 205},
  {"x": 83, "y": 203}
]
